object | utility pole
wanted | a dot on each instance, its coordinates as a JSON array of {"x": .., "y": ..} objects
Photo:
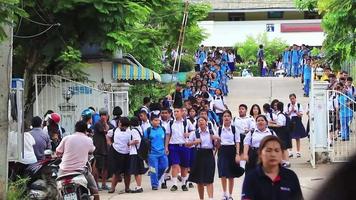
[{"x": 5, "y": 78}]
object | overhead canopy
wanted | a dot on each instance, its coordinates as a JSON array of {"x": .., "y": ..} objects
[{"x": 132, "y": 72}]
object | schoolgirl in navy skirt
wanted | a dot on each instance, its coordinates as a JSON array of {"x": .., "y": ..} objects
[{"x": 203, "y": 171}]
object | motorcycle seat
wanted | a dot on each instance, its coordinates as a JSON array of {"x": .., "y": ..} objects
[{"x": 73, "y": 174}]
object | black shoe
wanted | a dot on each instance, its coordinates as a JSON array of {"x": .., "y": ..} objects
[
  {"x": 179, "y": 178},
  {"x": 174, "y": 188},
  {"x": 184, "y": 188},
  {"x": 190, "y": 185},
  {"x": 128, "y": 191},
  {"x": 154, "y": 188},
  {"x": 164, "y": 185},
  {"x": 137, "y": 190}
]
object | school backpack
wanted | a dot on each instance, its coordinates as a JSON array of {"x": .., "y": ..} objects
[
  {"x": 145, "y": 146},
  {"x": 210, "y": 126},
  {"x": 233, "y": 129},
  {"x": 197, "y": 134},
  {"x": 185, "y": 124}
]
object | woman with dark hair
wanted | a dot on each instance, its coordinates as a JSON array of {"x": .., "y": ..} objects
[
  {"x": 274, "y": 105},
  {"x": 283, "y": 133},
  {"x": 119, "y": 153},
  {"x": 252, "y": 142},
  {"x": 192, "y": 115},
  {"x": 203, "y": 171},
  {"x": 271, "y": 181},
  {"x": 228, "y": 155},
  {"x": 255, "y": 111},
  {"x": 268, "y": 112}
]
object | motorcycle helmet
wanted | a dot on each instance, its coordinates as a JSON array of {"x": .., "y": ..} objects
[
  {"x": 56, "y": 118},
  {"x": 87, "y": 114}
]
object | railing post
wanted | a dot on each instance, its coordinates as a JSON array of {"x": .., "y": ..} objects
[{"x": 318, "y": 121}]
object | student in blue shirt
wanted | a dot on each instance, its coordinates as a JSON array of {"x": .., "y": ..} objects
[
  {"x": 157, "y": 159},
  {"x": 187, "y": 91},
  {"x": 345, "y": 112},
  {"x": 295, "y": 60},
  {"x": 286, "y": 61},
  {"x": 307, "y": 77}
]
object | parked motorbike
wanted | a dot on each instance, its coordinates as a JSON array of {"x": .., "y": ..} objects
[
  {"x": 74, "y": 186},
  {"x": 42, "y": 175}
]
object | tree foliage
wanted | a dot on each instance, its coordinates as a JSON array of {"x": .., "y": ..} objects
[
  {"x": 338, "y": 22},
  {"x": 9, "y": 10},
  {"x": 141, "y": 28},
  {"x": 273, "y": 48}
]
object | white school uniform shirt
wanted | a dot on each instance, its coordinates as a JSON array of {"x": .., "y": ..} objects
[
  {"x": 29, "y": 156},
  {"x": 227, "y": 136},
  {"x": 242, "y": 123},
  {"x": 268, "y": 116},
  {"x": 213, "y": 126},
  {"x": 218, "y": 102},
  {"x": 177, "y": 132},
  {"x": 281, "y": 119},
  {"x": 333, "y": 102},
  {"x": 205, "y": 137},
  {"x": 135, "y": 135},
  {"x": 295, "y": 108},
  {"x": 121, "y": 140},
  {"x": 145, "y": 125},
  {"x": 231, "y": 57},
  {"x": 257, "y": 137},
  {"x": 165, "y": 124}
]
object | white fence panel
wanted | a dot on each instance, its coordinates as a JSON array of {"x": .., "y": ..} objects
[{"x": 70, "y": 98}]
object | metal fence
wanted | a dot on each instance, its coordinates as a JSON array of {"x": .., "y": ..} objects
[
  {"x": 342, "y": 126},
  {"x": 70, "y": 98}
]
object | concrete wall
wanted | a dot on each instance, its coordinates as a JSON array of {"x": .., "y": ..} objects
[{"x": 228, "y": 33}]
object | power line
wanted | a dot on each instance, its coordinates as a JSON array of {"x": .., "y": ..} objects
[{"x": 35, "y": 35}]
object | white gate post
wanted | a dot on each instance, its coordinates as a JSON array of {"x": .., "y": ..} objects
[{"x": 318, "y": 120}]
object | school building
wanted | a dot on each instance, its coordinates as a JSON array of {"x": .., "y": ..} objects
[{"x": 231, "y": 21}]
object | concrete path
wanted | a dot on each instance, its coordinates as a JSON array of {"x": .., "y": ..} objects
[{"x": 248, "y": 91}]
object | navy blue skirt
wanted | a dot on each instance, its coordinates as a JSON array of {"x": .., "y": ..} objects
[
  {"x": 298, "y": 128},
  {"x": 203, "y": 170},
  {"x": 227, "y": 167}
]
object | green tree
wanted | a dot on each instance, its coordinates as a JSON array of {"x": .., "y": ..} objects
[
  {"x": 142, "y": 28},
  {"x": 273, "y": 48},
  {"x": 338, "y": 22},
  {"x": 9, "y": 11}
]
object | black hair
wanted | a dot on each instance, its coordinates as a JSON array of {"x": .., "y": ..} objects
[
  {"x": 259, "y": 109},
  {"x": 146, "y": 100},
  {"x": 261, "y": 46},
  {"x": 267, "y": 107},
  {"x": 134, "y": 121},
  {"x": 292, "y": 95},
  {"x": 263, "y": 116},
  {"x": 81, "y": 126},
  {"x": 142, "y": 111},
  {"x": 48, "y": 113},
  {"x": 349, "y": 78},
  {"x": 228, "y": 112},
  {"x": 243, "y": 105},
  {"x": 153, "y": 116},
  {"x": 117, "y": 111},
  {"x": 124, "y": 123},
  {"x": 280, "y": 106},
  {"x": 36, "y": 122},
  {"x": 91, "y": 108}
]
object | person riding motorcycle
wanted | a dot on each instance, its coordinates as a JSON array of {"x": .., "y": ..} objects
[{"x": 74, "y": 150}]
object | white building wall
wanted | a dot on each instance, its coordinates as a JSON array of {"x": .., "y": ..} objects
[{"x": 228, "y": 33}]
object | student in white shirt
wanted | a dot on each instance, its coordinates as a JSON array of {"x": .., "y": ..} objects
[
  {"x": 268, "y": 112},
  {"x": 137, "y": 167},
  {"x": 283, "y": 132},
  {"x": 228, "y": 155},
  {"x": 217, "y": 104},
  {"x": 166, "y": 117},
  {"x": 295, "y": 112},
  {"x": 243, "y": 124},
  {"x": 119, "y": 153},
  {"x": 176, "y": 136},
  {"x": 252, "y": 142},
  {"x": 203, "y": 170},
  {"x": 145, "y": 123}
]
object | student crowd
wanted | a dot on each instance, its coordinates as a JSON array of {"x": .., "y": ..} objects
[{"x": 185, "y": 131}]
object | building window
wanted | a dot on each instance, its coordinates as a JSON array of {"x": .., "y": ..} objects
[
  {"x": 236, "y": 16},
  {"x": 275, "y": 15},
  {"x": 311, "y": 15},
  {"x": 269, "y": 27}
]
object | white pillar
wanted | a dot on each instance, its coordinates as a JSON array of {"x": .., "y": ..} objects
[{"x": 318, "y": 120}]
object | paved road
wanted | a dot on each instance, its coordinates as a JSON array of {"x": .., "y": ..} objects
[{"x": 248, "y": 91}]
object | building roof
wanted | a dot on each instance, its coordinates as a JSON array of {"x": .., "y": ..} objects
[{"x": 231, "y": 5}]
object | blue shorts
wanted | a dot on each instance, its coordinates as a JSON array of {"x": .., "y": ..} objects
[{"x": 179, "y": 155}]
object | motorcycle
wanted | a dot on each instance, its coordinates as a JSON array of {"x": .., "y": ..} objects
[
  {"x": 74, "y": 186},
  {"x": 42, "y": 175}
]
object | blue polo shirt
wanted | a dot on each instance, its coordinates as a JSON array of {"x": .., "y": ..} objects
[
  {"x": 345, "y": 110},
  {"x": 157, "y": 138},
  {"x": 286, "y": 56},
  {"x": 307, "y": 72},
  {"x": 258, "y": 186},
  {"x": 295, "y": 56}
]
